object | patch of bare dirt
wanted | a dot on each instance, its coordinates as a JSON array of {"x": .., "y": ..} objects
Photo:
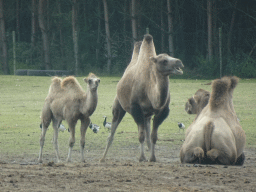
[{"x": 123, "y": 172}]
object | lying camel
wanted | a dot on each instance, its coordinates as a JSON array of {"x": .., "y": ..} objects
[
  {"x": 67, "y": 100},
  {"x": 143, "y": 91},
  {"x": 216, "y": 136}
]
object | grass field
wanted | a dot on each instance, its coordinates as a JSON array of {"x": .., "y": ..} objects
[{"x": 22, "y": 98}]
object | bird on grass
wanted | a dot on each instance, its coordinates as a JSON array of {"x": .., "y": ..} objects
[
  {"x": 181, "y": 126},
  {"x": 106, "y": 124},
  {"x": 95, "y": 128},
  {"x": 61, "y": 127}
]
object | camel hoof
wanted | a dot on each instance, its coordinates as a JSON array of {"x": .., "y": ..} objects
[
  {"x": 102, "y": 160},
  {"x": 142, "y": 158},
  {"x": 152, "y": 159},
  {"x": 68, "y": 160}
]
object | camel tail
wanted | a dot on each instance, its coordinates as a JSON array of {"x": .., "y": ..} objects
[
  {"x": 220, "y": 89},
  {"x": 208, "y": 129}
]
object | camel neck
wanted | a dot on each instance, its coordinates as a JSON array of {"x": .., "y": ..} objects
[
  {"x": 159, "y": 89},
  {"x": 90, "y": 103}
]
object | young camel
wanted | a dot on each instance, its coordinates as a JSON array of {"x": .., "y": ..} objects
[
  {"x": 216, "y": 135},
  {"x": 67, "y": 100},
  {"x": 143, "y": 91}
]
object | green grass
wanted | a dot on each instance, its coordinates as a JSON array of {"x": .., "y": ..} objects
[{"x": 22, "y": 98}]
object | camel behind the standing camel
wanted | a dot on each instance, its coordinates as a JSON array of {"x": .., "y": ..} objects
[
  {"x": 67, "y": 100},
  {"x": 216, "y": 135},
  {"x": 143, "y": 91}
]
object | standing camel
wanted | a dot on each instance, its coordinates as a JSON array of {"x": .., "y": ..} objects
[
  {"x": 67, "y": 100},
  {"x": 143, "y": 91}
]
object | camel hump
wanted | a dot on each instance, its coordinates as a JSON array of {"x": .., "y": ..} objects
[
  {"x": 208, "y": 129},
  {"x": 137, "y": 46},
  {"x": 92, "y": 75},
  {"x": 220, "y": 89},
  {"x": 56, "y": 84},
  {"x": 234, "y": 82},
  {"x": 148, "y": 38},
  {"x": 56, "y": 80},
  {"x": 71, "y": 83}
]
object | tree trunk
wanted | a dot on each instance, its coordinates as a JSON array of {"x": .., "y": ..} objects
[
  {"x": 75, "y": 33},
  {"x": 64, "y": 63},
  {"x": 45, "y": 38},
  {"x": 134, "y": 22},
  {"x": 33, "y": 28},
  {"x": 162, "y": 26},
  {"x": 170, "y": 28},
  {"x": 209, "y": 23},
  {"x": 5, "y": 67},
  {"x": 98, "y": 36},
  {"x": 107, "y": 35},
  {"x": 18, "y": 19},
  {"x": 231, "y": 28}
]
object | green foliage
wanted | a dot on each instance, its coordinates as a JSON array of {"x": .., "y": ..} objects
[{"x": 241, "y": 65}]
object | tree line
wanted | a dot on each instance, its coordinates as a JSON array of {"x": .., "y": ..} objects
[{"x": 98, "y": 36}]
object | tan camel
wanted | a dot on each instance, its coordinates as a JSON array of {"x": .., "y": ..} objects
[
  {"x": 196, "y": 103},
  {"x": 143, "y": 91},
  {"x": 216, "y": 135},
  {"x": 67, "y": 100}
]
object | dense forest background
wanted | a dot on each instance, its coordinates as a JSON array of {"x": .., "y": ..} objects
[{"x": 98, "y": 35}]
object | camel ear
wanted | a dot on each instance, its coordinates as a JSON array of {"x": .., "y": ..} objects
[
  {"x": 85, "y": 80},
  {"x": 196, "y": 98},
  {"x": 154, "y": 59}
]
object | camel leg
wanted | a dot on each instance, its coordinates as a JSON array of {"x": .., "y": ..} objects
[
  {"x": 193, "y": 155},
  {"x": 240, "y": 160},
  {"x": 55, "y": 124},
  {"x": 118, "y": 114},
  {"x": 42, "y": 139},
  {"x": 84, "y": 125},
  {"x": 148, "y": 132},
  {"x": 46, "y": 118},
  {"x": 158, "y": 120},
  {"x": 72, "y": 125},
  {"x": 139, "y": 118},
  {"x": 226, "y": 157}
]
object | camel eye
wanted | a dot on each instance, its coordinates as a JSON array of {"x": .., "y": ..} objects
[
  {"x": 90, "y": 81},
  {"x": 164, "y": 62}
]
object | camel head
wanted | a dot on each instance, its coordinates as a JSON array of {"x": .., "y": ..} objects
[
  {"x": 191, "y": 106},
  {"x": 92, "y": 82},
  {"x": 197, "y": 102},
  {"x": 167, "y": 65}
]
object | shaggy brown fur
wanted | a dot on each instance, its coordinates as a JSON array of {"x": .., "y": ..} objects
[
  {"x": 216, "y": 130},
  {"x": 143, "y": 91},
  {"x": 67, "y": 100}
]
